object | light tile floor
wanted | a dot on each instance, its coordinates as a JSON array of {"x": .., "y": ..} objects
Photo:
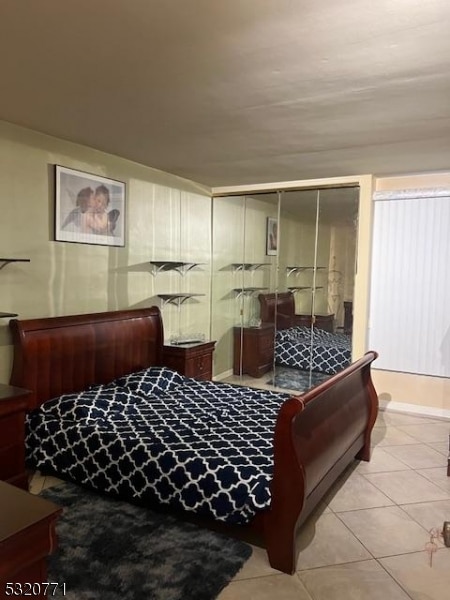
[{"x": 367, "y": 538}]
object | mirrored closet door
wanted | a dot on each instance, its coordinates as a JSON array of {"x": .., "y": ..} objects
[
  {"x": 244, "y": 266},
  {"x": 282, "y": 285},
  {"x": 317, "y": 260}
]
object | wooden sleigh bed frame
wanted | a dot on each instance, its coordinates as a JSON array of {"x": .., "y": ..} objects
[
  {"x": 278, "y": 309},
  {"x": 317, "y": 434}
]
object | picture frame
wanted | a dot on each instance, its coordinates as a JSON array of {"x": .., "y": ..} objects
[
  {"x": 89, "y": 209},
  {"x": 271, "y": 236}
]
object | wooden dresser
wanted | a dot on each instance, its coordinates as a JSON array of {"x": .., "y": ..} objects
[
  {"x": 192, "y": 360},
  {"x": 13, "y": 405},
  {"x": 253, "y": 350},
  {"x": 27, "y": 537}
]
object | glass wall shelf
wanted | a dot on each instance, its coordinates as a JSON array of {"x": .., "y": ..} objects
[
  {"x": 249, "y": 266},
  {"x": 248, "y": 291},
  {"x": 172, "y": 265},
  {"x": 296, "y": 270},
  {"x": 177, "y": 299}
]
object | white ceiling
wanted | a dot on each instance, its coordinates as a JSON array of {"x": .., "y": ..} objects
[{"x": 236, "y": 92}]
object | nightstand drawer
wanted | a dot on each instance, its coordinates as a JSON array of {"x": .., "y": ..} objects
[
  {"x": 12, "y": 429},
  {"x": 12, "y": 461},
  {"x": 200, "y": 366},
  {"x": 266, "y": 343},
  {"x": 13, "y": 406},
  {"x": 266, "y": 352}
]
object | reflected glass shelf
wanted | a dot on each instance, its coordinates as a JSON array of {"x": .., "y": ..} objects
[
  {"x": 160, "y": 266},
  {"x": 299, "y": 269},
  {"x": 247, "y": 291},
  {"x": 299, "y": 288},
  {"x": 177, "y": 299},
  {"x": 249, "y": 266}
]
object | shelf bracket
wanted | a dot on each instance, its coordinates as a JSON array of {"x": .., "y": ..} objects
[{"x": 6, "y": 261}]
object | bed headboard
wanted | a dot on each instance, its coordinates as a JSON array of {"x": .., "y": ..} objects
[
  {"x": 277, "y": 308},
  {"x": 57, "y": 355}
]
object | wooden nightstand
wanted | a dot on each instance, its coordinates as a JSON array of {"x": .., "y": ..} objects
[
  {"x": 27, "y": 537},
  {"x": 13, "y": 406},
  {"x": 255, "y": 345},
  {"x": 192, "y": 360}
]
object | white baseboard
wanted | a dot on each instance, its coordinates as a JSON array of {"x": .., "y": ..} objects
[
  {"x": 223, "y": 375},
  {"x": 414, "y": 409}
]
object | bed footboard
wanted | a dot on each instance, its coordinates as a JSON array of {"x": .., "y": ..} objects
[{"x": 317, "y": 436}]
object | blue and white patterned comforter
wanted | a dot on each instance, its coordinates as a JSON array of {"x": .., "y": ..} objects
[
  {"x": 192, "y": 445},
  {"x": 319, "y": 350}
]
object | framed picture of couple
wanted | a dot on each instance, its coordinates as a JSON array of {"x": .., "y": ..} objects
[{"x": 89, "y": 209}]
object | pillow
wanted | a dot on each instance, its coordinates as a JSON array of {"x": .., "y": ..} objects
[
  {"x": 95, "y": 403},
  {"x": 154, "y": 380}
]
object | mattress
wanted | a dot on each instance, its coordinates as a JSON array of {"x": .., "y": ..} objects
[
  {"x": 198, "y": 446},
  {"x": 305, "y": 348}
]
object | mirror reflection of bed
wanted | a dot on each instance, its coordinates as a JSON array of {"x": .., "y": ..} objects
[
  {"x": 305, "y": 336},
  {"x": 305, "y": 353}
]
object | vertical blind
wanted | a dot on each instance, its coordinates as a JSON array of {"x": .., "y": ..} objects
[{"x": 409, "y": 322}]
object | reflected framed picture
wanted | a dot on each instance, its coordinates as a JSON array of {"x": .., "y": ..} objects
[
  {"x": 89, "y": 209},
  {"x": 271, "y": 236}
]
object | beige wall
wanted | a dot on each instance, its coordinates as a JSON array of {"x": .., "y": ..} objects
[
  {"x": 403, "y": 391},
  {"x": 168, "y": 218}
]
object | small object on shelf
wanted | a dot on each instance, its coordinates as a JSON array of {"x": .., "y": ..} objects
[
  {"x": 5, "y": 261},
  {"x": 7, "y": 315},
  {"x": 255, "y": 322},
  {"x": 177, "y": 299},
  {"x": 172, "y": 265},
  {"x": 187, "y": 338}
]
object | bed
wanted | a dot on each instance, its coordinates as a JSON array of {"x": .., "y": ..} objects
[
  {"x": 300, "y": 347},
  {"x": 83, "y": 369}
]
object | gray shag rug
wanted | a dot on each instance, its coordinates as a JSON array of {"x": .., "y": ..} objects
[
  {"x": 295, "y": 379},
  {"x": 110, "y": 550}
]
